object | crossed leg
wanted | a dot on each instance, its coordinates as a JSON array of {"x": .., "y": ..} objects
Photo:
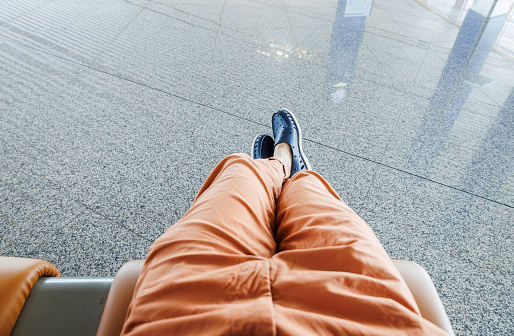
[{"x": 209, "y": 273}]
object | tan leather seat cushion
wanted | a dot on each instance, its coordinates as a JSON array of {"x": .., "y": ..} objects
[
  {"x": 415, "y": 276},
  {"x": 17, "y": 277}
]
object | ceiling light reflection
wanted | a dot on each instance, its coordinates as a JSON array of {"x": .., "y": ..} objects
[{"x": 283, "y": 51}]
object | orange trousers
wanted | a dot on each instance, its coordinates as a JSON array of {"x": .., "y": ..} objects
[{"x": 255, "y": 255}]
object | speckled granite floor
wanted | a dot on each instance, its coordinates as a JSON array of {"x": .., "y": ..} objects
[{"x": 112, "y": 113}]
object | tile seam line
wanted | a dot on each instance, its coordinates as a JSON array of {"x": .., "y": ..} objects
[
  {"x": 86, "y": 208},
  {"x": 24, "y": 14},
  {"x": 411, "y": 174},
  {"x": 121, "y": 31},
  {"x": 133, "y": 81},
  {"x": 66, "y": 223},
  {"x": 116, "y": 222},
  {"x": 290, "y": 25},
  {"x": 211, "y": 30},
  {"x": 257, "y": 123},
  {"x": 398, "y": 117}
]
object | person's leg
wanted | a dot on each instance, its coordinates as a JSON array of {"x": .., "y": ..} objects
[
  {"x": 209, "y": 273},
  {"x": 331, "y": 275}
]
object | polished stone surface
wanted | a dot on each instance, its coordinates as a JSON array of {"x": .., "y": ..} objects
[
  {"x": 113, "y": 112},
  {"x": 463, "y": 242},
  {"x": 90, "y": 245}
]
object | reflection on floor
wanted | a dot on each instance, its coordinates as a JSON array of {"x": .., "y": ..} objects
[{"x": 112, "y": 114}]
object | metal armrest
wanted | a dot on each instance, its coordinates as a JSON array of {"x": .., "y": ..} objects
[{"x": 63, "y": 306}]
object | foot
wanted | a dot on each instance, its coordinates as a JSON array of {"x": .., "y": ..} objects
[
  {"x": 286, "y": 130},
  {"x": 262, "y": 147},
  {"x": 283, "y": 153}
]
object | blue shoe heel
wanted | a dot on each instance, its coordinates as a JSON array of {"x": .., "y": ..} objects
[{"x": 263, "y": 147}]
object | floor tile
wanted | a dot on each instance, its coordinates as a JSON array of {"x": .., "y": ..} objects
[
  {"x": 35, "y": 132},
  {"x": 469, "y": 150},
  {"x": 114, "y": 150},
  {"x": 207, "y": 11},
  {"x": 309, "y": 6},
  {"x": 350, "y": 176},
  {"x": 157, "y": 184},
  {"x": 12, "y": 10},
  {"x": 256, "y": 19},
  {"x": 29, "y": 209},
  {"x": 90, "y": 245},
  {"x": 156, "y": 50},
  {"x": 75, "y": 30},
  {"x": 460, "y": 239}
]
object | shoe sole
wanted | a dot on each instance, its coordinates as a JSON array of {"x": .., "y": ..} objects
[
  {"x": 253, "y": 145},
  {"x": 305, "y": 160}
]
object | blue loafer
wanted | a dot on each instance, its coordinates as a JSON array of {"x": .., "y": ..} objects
[
  {"x": 286, "y": 129},
  {"x": 263, "y": 147}
]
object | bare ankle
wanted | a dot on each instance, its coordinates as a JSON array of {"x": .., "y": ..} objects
[{"x": 284, "y": 154}]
